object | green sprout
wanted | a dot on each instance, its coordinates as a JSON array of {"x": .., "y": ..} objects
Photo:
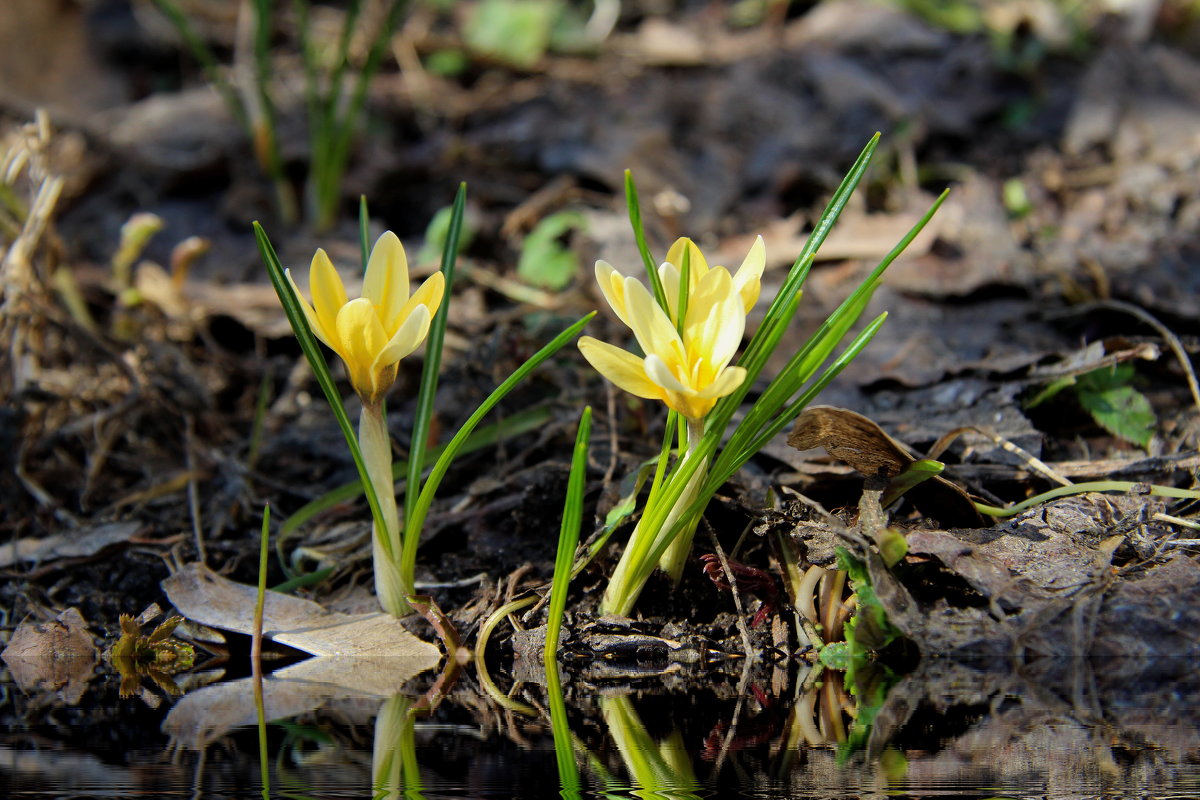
[{"x": 335, "y": 102}]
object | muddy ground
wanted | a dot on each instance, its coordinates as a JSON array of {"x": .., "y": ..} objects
[{"x": 1070, "y": 243}]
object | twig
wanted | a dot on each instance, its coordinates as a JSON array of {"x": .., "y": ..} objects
[
  {"x": 747, "y": 645},
  {"x": 727, "y": 742},
  {"x": 1185, "y": 523},
  {"x": 1168, "y": 336},
  {"x": 193, "y": 489},
  {"x": 1030, "y": 460}
]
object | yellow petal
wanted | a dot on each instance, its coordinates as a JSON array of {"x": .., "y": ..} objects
[
  {"x": 329, "y": 294},
  {"x": 386, "y": 281},
  {"x": 650, "y": 324},
  {"x": 748, "y": 279},
  {"x": 407, "y": 338},
  {"x": 668, "y": 274},
  {"x": 429, "y": 295},
  {"x": 697, "y": 263},
  {"x": 725, "y": 335},
  {"x": 727, "y": 381},
  {"x": 623, "y": 369},
  {"x": 612, "y": 286},
  {"x": 658, "y": 371},
  {"x": 314, "y": 323},
  {"x": 362, "y": 338},
  {"x": 712, "y": 289}
]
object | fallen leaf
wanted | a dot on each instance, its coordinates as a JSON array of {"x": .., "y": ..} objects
[
  {"x": 76, "y": 544},
  {"x": 203, "y": 716},
  {"x": 58, "y": 656},
  {"x": 855, "y": 439},
  {"x": 203, "y": 596}
]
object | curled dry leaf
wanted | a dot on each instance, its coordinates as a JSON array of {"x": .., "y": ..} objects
[
  {"x": 855, "y": 439},
  {"x": 58, "y": 655}
]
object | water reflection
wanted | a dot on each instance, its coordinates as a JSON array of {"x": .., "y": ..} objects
[{"x": 1047, "y": 728}]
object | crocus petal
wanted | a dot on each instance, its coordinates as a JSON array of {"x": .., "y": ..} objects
[
  {"x": 429, "y": 295},
  {"x": 650, "y": 324},
  {"x": 386, "y": 281},
  {"x": 660, "y": 373},
  {"x": 314, "y": 323},
  {"x": 622, "y": 368},
  {"x": 748, "y": 279},
  {"x": 612, "y": 286},
  {"x": 725, "y": 335},
  {"x": 713, "y": 288},
  {"x": 362, "y": 338},
  {"x": 697, "y": 263},
  {"x": 726, "y": 382},
  {"x": 668, "y": 274},
  {"x": 328, "y": 292},
  {"x": 407, "y": 338}
]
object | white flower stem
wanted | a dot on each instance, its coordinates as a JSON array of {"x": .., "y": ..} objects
[
  {"x": 624, "y": 586},
  {"x": 376, "y": 446},
  {"x": 675, "y": 557}
]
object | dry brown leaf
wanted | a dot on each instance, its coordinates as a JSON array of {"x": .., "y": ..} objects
[
  {"x": 203, "y": 716},
  {"x": 58, "y": 655},
  {"x": 203, "y": 596},
  {"x": 76, "y": 544},
  {"x": 855, "y": 439}
]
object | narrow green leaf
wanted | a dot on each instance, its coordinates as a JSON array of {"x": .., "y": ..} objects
[
  {"x": 914, "y": 474},
  {"x": 1093, "y": 486},
  {"x": 639, "y": 236},
  {"x": 312, "y": 352},
  {"x": 783, "y": 307},
  {"x": 429, "y": 372},
  {"x": 568, "y": 537},
  {"x": 415, "y": 522},
  {"x": 685, "y": 279},
  {"x": 364, "y": 232},
  {"x": 208, "y": 62},
  {"x": 514, "y": 425}
]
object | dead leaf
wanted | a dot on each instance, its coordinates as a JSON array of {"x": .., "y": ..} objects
[
  {"x": 58, "y": 656},
  {"x": 855, "y": 439},
  {"x": 203, "y": 596},
  {"x": 203, "y": 716},
  {"x": 1104, "y": 353},
  {"x": 76, "y": 544}
]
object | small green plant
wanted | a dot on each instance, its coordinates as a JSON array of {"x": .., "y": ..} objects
[
  {"x": 372, "y": 334},
  {"x": 545, "y": 262},
  {"x": 156, "y": 655},
  {"x": 1109, "y": 396},
  {"x": 516, "y": 32},
  {"x": 689, "y": 326},
  {"x": 335, "y": 101}
]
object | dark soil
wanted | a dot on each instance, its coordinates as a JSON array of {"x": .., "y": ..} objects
[{"x": 146, "y": 414}]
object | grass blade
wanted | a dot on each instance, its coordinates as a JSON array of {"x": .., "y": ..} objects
[
  {"x": 433, "y": 360},
  {"x": 412, "y": 531},
  {"x": 568, "y": 539},
  {"x": 208, "y": 61},
  {"x": 312, "y": 351},
  {"x": 515, "y": 425},
  {"x": 639, "y": 235}
]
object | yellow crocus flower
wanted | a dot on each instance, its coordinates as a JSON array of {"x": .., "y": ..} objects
[
  {"x": 747, "y": 280},
  {"x": 373, "y": 332},
  {"x": 690, "y": 372}
]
